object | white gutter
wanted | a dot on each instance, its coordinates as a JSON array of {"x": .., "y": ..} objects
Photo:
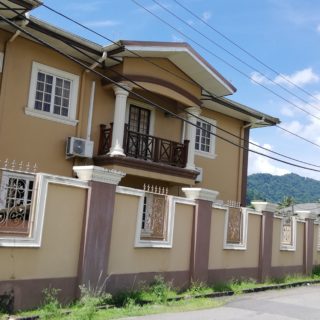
[
  {"x": 93, "y": 88},
  {"x": 24, "y": 23},
  {"x": 95, "y": 64}
]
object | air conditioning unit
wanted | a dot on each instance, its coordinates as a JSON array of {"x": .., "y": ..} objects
[
  {"x": 199, "y": 176},
  {"x": 77, "y": 147}
]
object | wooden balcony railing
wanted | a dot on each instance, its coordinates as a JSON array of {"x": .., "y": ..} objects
[{"x": 146, "y": 147}]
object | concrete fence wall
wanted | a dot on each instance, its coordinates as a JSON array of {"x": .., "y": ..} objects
[{"x": 89, "y": 235}]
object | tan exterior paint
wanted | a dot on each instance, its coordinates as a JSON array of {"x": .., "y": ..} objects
[
  {"x": 281, "y": 258},
  {"x": 220, "y": 258},
  {"x": 58, "y": 255},
  {"x": 222, "y": 173},
  {"x": 137, "y": 66},
  {"x": 124, "y": 258},
  {"x": 30, "y": 139}
]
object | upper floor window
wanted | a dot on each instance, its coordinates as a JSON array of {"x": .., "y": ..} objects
[
  {"x": 205, "y": 139},
  {"x": 53, "y": 94}
]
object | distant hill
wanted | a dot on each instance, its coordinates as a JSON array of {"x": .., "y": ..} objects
[{"x": 263, "y": 186}]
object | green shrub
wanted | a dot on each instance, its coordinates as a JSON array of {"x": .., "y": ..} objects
[{"x": 160, "y": 289}]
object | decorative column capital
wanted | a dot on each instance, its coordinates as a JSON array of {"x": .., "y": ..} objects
[
  {"x": 264, "y": 206},
  {"x": 195, "y": 111},
  {"x": 123, "y": 89},
  {"x": 98, "y": 174},
  {"x": 201, "y": 194}
]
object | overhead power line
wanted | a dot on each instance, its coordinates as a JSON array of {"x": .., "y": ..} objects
[
  {"x": 224, "y": 61},
  {"x": 147, "y": 60},
  {"x": 246, "y": 51},
  {"x": 142, "y": 97},
  {"x": 233, "y": 55}
]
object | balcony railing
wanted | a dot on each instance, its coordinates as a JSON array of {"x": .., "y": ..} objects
[{"x": 146, "y": 147}]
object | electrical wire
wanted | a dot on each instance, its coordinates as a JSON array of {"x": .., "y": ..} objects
[
  {"x": 142, "y": 97},
  {"x": 224, "y": 61},
  {"x": 233, "y": 55},
  {"x": 147, "y": 60},
  {"x": 189, "y": 113},
  {"x": 246, "y": 51}
]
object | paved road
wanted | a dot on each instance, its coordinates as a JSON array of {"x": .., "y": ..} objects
[{"x": 297, "y": 303}]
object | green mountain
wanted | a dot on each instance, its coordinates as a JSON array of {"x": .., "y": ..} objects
[{"x": 263, "y": 186}]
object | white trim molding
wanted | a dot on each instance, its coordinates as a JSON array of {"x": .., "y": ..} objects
[
  {"x": 242, "y": 245},
  {"x": 293, "y": 245},
  {"x": 98, "y": 174},
  {"x": 201, "y": 194},
  {"x": 262, "y": 206},
  {"x": 39, "y": 200},
  {"x": 70, "y": 119}
]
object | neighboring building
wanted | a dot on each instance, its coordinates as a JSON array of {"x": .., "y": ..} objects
[{"x": 45, "y": 98}]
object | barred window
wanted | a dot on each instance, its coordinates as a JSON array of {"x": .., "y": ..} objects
[
  {"x": 15, "y": 202},
  {"x": 235, "y": 228},
  {"x": 154, "y": 217}
]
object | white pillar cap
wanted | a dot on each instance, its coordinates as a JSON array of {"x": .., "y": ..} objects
[
  {"x": 201, "y": 194},
  {"x": 98, "y": 174}
]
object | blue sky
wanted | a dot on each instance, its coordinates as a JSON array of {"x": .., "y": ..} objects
[{"x": 284, "y": 34}]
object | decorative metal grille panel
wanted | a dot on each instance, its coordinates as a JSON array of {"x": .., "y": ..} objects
[
  {"x": 154, "y": 217},
  {"x": 234, "y": 228},
  {"x": 16, "y": 191},
  {"x": 286, "y": 232}
]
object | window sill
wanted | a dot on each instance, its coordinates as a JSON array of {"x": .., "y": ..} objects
[
  {"x": 205, "y": 154},
  {"x": 241, "y": 247},
  {"x": 287, "y": 248},
  {"x": 49, "y": 116},
  {"x": 153, "y": 244}
]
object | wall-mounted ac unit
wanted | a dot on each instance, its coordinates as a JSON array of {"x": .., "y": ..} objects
[
  {"x": 77, "y": 147},
  {"x": 199, "y": 176}
]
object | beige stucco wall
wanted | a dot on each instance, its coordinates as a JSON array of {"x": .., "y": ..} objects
[
  {"x": 316, "y": 253},
  {"x": 220, "y": 258},
  {"x": 223, "y": 173},
  {"x": 59, "y": 252},
  {"x": 282, "y": 258},
  {"x": 125, "y": 258}
]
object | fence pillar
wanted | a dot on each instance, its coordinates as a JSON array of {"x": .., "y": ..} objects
[
  {"x": 266, "y": 237},
  {"x": 308, "y": 240},
  {"x": 199, "y": 257},
  {"x": 96, "y": 236}
]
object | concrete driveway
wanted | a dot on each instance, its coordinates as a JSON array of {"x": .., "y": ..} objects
[{"x": 296, "y": 303}]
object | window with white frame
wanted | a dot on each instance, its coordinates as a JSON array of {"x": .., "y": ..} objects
[
  {"x": 15, "y": 201},
  {"x": 288, "y": 233},
  {"x": 236, "y": 227},
  {"x": 53, "y": 94},
  {"x": 205, "y": 139}
]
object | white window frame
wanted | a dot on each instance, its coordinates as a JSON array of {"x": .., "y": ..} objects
[
  {"x": 242, "y": 245},
  {"x": 293, "y": 245},
  {"x": 211, "y": 154},
  {"x": 74, "y": 79}
]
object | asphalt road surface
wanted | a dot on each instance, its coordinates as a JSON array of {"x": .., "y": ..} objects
[{"x": 296, "y": 303}]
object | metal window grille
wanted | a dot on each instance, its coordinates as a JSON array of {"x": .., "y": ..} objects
[
  {"x": 286, "y": 231},
  {"x": 15, "y": 202},
  {"x": 235, "y": 223},
  {"x": 155, "y": 214}
]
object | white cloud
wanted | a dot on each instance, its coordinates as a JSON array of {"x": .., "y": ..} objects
[
  {"x": 299, "y": 78},
  {"x": 287, "y": 111},
  {"x": 261, "y": 164},
  {"x": 176, "y": 38},
  {"x": 206, "y": 16},
  {"x": 102, "y": 23},
  {"x": 318, "y": 28}
]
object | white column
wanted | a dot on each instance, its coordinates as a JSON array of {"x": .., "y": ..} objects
[
  {"x": 191, "y": 135},
  {"x": 119, "y": 120}
]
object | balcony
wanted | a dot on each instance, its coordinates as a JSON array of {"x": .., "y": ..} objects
[{"x": 145, "y": 152}]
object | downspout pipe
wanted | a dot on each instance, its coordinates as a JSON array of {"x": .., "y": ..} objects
[
  {"x": 24, "y": 23},
  {"x": 93, "y": 88},
  {"x": 95, "y": 64}
]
